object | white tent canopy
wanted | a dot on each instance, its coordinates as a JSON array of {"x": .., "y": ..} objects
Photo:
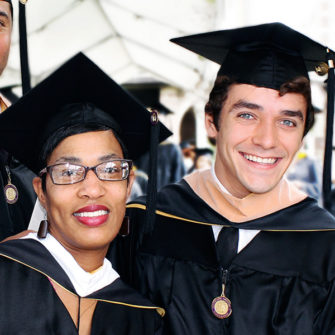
[{"x": 128, "y": 39}]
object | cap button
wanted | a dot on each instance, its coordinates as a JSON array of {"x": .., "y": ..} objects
[
  {"x": 153, "y": 116},
  {"x": 321, "y": 69}
]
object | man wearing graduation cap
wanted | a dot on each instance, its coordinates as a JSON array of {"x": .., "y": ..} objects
[
  {"x": 16, "y": 193},
  {"x": 237, "y": 249}
]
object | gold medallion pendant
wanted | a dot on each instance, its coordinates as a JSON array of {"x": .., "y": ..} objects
[
  {"x": 221, "y": 306},
  {"x": 11, "y": 192}
]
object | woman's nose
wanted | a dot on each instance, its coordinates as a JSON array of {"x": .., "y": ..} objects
[{"x": 91, "y": 186}]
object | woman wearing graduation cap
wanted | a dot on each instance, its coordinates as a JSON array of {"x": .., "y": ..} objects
[
  {"x": 75, "y": 130},
  {"x": 239, "y": 250}
]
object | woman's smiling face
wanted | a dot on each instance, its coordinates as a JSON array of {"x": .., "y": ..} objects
[{"x": 86, "y": 215}]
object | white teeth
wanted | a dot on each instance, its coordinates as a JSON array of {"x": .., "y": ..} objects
[
  {"x": 260, "y": 160},
  {"x": 91, "y": 214}
]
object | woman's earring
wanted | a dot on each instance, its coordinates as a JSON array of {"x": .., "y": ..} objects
[
  {"x": 43, "y": 229},
  {"x": 125, "y": 229}
]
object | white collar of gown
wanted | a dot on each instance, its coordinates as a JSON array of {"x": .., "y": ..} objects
[{"x": 84, "y": 282}]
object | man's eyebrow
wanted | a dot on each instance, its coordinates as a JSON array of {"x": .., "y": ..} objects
[
  {"x": 246, "y": 104},
  {"x": 291, "y": 113}
]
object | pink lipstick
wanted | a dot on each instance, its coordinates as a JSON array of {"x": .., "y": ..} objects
[{"x": 92, "y": 215}]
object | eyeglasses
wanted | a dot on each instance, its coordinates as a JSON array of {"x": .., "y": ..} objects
[{"x": 68, "y": 173}]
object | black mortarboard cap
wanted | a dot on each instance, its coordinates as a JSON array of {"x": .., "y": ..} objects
[
  {"x": 25, "y": 125},
  {"x": 265, "y": 55},
  {"x": 148, "y": 95}
]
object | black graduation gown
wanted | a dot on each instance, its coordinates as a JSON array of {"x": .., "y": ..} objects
[
  {"x": 282, "y": 282},
  {"x": 15, "y": 217},
  {"x": 29, "y": 304}
]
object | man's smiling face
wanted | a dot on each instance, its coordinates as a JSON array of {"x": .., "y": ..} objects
[{"x": 259, "y": 134}]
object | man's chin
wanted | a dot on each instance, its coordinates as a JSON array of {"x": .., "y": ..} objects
[{"x": 261, "y": 187}]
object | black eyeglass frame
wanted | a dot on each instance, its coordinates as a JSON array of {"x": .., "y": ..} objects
[{"x": 88, "y": 168}]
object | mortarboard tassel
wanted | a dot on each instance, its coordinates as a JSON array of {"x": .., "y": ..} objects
[
  {"x": 25, "y": 73},
  {"x": 152, "y": 183},
  {"x": 327, "y": 162}
]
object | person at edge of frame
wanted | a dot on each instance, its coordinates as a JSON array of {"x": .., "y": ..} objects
[
  {"x": 17, "y": 196},
  {"x": 237, "y": 249}
]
